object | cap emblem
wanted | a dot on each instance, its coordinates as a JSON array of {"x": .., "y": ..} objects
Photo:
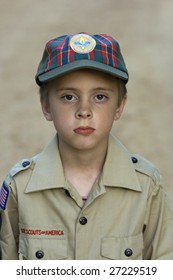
[{"x": 82, "y": 43}]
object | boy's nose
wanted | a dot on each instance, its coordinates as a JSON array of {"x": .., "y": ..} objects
[{"x": 83, "y": 113}]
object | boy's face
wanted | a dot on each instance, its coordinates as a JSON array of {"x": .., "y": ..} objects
[{"x": 83, "y": 106}]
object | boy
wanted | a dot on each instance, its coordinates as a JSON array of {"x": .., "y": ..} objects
[{"x": 84, "y": 196}]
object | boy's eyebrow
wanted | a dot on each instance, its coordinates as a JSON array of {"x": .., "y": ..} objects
[
  {"x": 66, "y": 88},
  {"x": 103, "y": 89}
]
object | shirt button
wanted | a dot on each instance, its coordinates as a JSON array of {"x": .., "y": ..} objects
[
  {"x": 83, "y": 221},
  {"x": 26, "y": 163},
  {"x": 128, "y": 252},
  {"x": 134, "y": 159},
  {"x": 39, "y": 254}
]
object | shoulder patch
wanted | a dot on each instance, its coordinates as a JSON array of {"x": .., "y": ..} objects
[
  {"x": 4, "y": 192},
  {"x": 18, "y": 167},
  {"x": 144, "y": 166}
]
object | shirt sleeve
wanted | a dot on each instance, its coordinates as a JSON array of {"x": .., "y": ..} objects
[{"x": 158, "y": 231}]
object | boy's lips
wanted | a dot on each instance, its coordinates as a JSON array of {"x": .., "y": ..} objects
[{"x": 84, "y": 130}]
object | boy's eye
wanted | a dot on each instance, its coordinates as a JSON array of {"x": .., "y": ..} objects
[
  {"x": 69, "y": 97},
  {"x": 100, "y": 97}
]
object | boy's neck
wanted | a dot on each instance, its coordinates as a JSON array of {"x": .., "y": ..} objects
[
  {"x": 83, "y": 159},
  {"x": 82, "y": 167}
]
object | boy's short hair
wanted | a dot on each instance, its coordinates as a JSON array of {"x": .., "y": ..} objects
[{"x": 68, "y": 53}]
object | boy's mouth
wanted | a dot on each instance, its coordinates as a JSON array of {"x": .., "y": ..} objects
[{"x": 84, "y": 130}]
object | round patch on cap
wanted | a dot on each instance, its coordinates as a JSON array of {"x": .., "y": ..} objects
[{"x": 82, "y": 43}]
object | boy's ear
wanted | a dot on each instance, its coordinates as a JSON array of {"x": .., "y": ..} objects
[
  {"x": 120, "y": 108},
  {"x": 46, "y": 109}
]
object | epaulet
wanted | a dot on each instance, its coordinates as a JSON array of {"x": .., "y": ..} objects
[
  {"x": 18, "y": 167},
  {"x": 4, "y": 191},
  {"x": 144, "y": 166}
]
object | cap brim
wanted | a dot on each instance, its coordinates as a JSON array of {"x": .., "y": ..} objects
[{"x": 81, "y": 64}]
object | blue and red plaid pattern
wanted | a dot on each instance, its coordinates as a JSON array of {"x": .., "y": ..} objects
[
  {"x": 58, "y": 53},
  {"x": 4, "y": 192}
]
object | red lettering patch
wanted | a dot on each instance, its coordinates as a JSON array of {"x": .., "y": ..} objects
[{"x": 42, "y": 232}]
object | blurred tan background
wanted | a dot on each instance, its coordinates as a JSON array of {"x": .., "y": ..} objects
[{"x": 144, "y": 30}]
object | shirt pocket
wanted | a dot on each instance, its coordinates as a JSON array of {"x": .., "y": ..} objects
[
  {"x": 122, "y": 248},
  {"x": 42, "y": 244}
]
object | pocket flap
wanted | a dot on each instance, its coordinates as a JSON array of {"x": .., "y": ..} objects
[{"x": 122, "y": 248}]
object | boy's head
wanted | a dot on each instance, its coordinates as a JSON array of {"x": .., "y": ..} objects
[
  {"x": 68, "y": 53},
  {"x": 82, "y": 80}
]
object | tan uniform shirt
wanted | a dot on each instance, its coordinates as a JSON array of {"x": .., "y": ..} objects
[{"x": 126, "y": 216}]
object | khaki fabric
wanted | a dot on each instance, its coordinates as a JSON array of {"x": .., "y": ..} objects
[{"x": 127, "y": 215}]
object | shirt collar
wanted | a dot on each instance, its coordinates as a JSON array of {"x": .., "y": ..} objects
[
  {"x": 118, "y": 170},
  {"x": 48, "y": 170}
]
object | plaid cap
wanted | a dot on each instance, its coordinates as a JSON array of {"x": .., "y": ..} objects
[{"x": 68, "y": 53}]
